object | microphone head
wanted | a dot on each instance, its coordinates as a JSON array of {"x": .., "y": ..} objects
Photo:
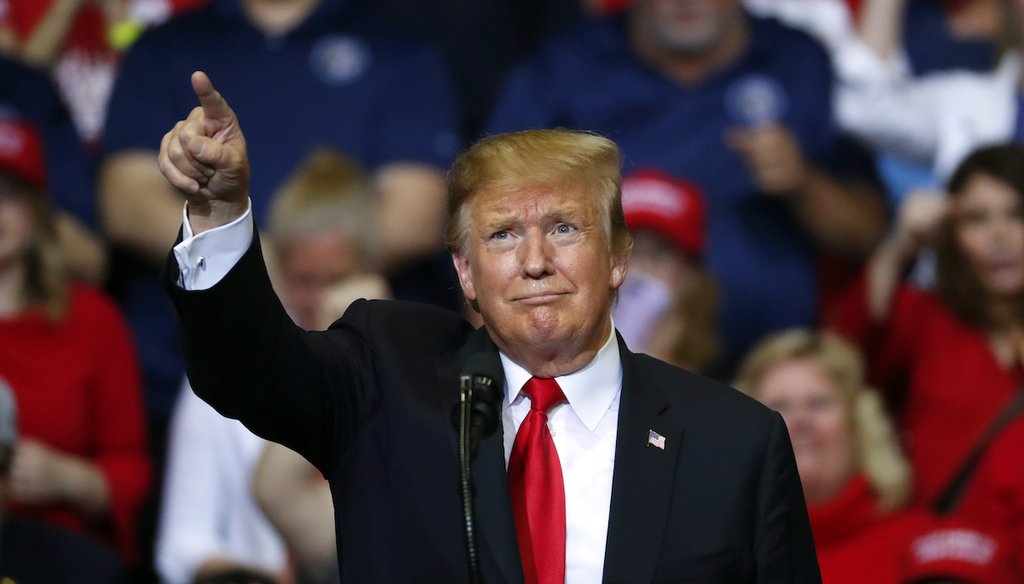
[
  {"x": 485, "y": 365},
  {"x": 485, "y": 373}
]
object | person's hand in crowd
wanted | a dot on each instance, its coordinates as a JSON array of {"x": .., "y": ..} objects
[
  {"x": 773, "y": 157},
  {"x": 37, "y": 475},
  {"x": 205, "y": 157},
  {"x": 40, "y": 475},
  {"x": 921, "y": 215}
]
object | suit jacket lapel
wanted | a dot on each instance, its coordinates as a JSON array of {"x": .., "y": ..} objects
[
  {"x": 642, "y": 481},
  {"x": 495, "y": 525}
]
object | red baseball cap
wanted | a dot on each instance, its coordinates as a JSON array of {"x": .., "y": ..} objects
[
  {"x": 670, "y": 206},
  {"x": 959, "y": 552},
  {"x": 21, "y": 150}
]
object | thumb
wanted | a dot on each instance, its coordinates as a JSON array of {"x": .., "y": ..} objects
[{"x": 215, "y": 108}]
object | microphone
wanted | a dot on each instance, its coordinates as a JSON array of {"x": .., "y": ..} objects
[
  {"x": 482, "y": 382},
  {"x": 481, "y": 385}
]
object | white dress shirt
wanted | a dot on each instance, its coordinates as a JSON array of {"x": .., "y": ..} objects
[{"x": 583, "y": 429}]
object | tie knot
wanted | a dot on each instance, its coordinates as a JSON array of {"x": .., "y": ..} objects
[{"x": 544, "y": 393}]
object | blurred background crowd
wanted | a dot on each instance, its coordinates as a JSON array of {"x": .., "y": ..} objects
[{"x": 827, "y": 198}]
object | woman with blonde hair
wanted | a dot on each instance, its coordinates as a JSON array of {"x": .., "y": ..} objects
[{"x": 855, "y": 478}]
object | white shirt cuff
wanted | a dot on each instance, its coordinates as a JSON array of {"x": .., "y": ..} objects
[{"x": 204, "y": 259}]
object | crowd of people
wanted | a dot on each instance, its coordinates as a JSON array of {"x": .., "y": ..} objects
[{"x": 826, "y": 199}]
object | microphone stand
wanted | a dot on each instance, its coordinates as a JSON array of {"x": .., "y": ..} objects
[{"x": 465, "y": 481}]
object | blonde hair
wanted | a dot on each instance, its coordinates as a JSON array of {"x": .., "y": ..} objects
[
  {"x": 328, "y": 191},
  {"x": 46, "y": 282},
  {"x": 878, "y": 451},
  {"x": 529, "y": 158}
]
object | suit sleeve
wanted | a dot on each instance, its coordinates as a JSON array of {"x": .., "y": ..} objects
[
  {"x": 246, "y": 358},
  {"x": 783, "y": 544}
]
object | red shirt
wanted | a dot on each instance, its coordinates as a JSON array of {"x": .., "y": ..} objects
[
  {"x": 995, "y": 495},
  {"x": 856, "y": 543},
  {"x": 77, "y": 387},
  {"x": 941, "y": 371}
]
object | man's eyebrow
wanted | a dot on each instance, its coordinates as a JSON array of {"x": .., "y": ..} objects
[{"x": 500, "y": 219}]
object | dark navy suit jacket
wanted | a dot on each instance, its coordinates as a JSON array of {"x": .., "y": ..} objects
[{"x": 369, "y": 402}]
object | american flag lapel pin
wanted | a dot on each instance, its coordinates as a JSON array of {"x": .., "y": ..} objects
[{"x": 656, "y": 440}]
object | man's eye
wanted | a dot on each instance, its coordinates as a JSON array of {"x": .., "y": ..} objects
[
  {"x": 503, "y": 234},
  {"x": 563, "y": 228}
]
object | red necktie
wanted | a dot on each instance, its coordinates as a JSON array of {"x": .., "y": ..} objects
[{"x": 537, "y": 490}]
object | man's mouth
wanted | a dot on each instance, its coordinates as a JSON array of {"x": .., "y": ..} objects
[{"x": 539, "y": 297}]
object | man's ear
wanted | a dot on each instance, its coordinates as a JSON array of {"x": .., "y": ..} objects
[
  {"x": 465, "y": 272},
  {"x": 620, "y": 263}
]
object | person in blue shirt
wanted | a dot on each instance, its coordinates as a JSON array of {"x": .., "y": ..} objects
[
  {"x": 742, "y": 107},
  {"x": 383, "y": 100}
]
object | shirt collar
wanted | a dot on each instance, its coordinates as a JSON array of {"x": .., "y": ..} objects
[{"x": 590, "y": 390}]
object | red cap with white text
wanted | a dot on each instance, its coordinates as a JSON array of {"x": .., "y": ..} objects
[
  {"x": 670, "y": 206},
  {"x": 959, "y": 552}
]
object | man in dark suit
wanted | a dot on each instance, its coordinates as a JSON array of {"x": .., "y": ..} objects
[{"x": 608, "y": 465}]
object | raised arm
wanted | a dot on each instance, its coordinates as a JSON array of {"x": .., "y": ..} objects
[
  {"x": 243, "y": 354},
  {"x": 881, "y": 26},
  {"x": 920, "y": 218},
  {"x": 844, "y": 216}
]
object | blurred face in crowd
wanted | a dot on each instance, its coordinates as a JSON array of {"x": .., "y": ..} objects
[
  {"x": 819, "y": 421},
  {"x": 537, "y": 263},
  {"x": 988, "y": 222},
  {"x": 686, "y": 26},
  {"x": 16, "y": 221},
  {"x": 311, "y": 264},
  {"x": 656, "y": 256}
]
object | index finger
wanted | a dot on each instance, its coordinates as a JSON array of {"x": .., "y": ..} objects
[{"x": 213, "y": 103}]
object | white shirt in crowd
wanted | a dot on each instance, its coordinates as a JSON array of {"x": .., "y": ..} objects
[{"x": 208, "y": 507}]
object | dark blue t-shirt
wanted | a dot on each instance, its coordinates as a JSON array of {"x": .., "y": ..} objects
[
  {"x": 69, "y": 169},
  {"x": 592, "y": 80},
  {"x": 337, "y": 80},
  {"x": 330, "y": 82}
]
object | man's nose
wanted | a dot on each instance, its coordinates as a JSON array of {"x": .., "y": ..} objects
[{"x": 535, "y": 254}]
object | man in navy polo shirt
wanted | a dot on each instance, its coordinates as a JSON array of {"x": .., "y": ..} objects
[
  {"x": 738, "y": 105},
  {"x": 302, "y": 73}
]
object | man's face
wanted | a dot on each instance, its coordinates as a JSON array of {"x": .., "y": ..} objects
[
  {"x": 537, "y": 262},
  {"x": 309, "y": 266},
  {"x": 685, "y": 26}
]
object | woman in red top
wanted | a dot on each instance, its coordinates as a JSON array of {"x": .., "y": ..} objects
[
  {"x": 957, "y": 351},
  {"x": 81, "y": 459},
  {"x": 854, "y": 476}
]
